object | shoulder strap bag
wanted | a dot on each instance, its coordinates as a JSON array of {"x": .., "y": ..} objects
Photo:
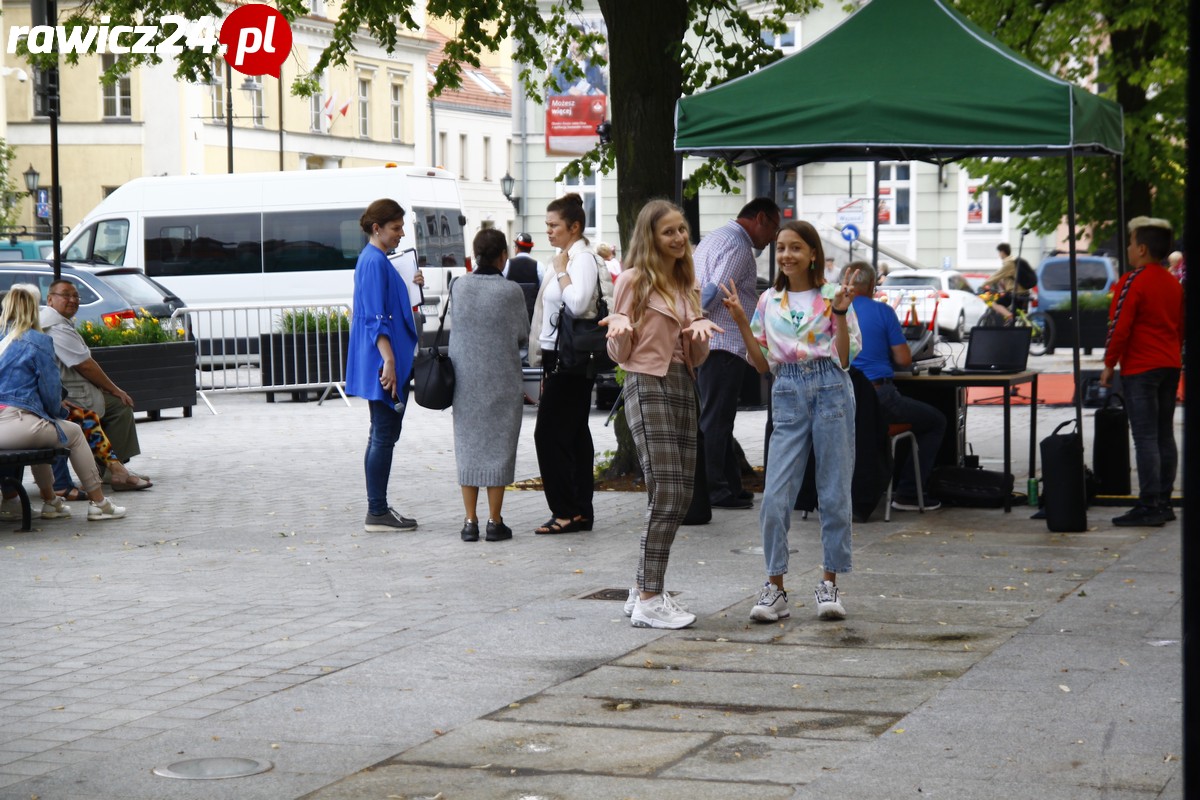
[
  {"x": 582, "y": 341},
  {"x": 433, "y": 373}
]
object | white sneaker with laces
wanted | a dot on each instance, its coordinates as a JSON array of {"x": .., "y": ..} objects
[
  {"x": 631, "y": 602},
  {"x": 772, "y": 604},
  {"x": 54, "y": 509},
  {"x": 104, "y": 510},
  {"x": 828, "y": 605},
  {"x": 660, "y": 611}
]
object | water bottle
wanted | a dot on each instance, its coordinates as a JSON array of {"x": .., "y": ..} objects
[{"x": 1031, "y": 489}]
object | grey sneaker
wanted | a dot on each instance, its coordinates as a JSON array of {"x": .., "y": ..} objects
[
  {"x": 11, "y": 508},
  {"x": 772, "y": 604},
  {"x": 390, "y": 520},
  {"x": 660, "y": 611},
  {"x": 631, "y": 602},
  {"x": 828, "y": 605},
  {"x": 104, "y": 510},
  {"x": 55, "y": 509}
]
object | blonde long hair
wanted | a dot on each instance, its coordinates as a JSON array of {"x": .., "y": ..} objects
[
  {"x": 19, "y": 312},
  {"x": 650, "y": 272}
]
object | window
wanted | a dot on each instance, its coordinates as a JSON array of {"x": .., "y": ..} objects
[
  {"x": 217, "y": 244},
  {"x": 439, "y": 237},
  {"x": 894, "y": 188},
  {"x": 364, "y": 104},
  {"x": 984, "y": 208},
  {"x": 462, "y": 156},
  {"x": 216, "y": 98},
  {"x": 485, "y": 83},
  {"x": 487, "y": 158},
  {"x": 442, "y": 156},
  {"x": 304, "y": 241},
  {"x": 118, "y": 96},
  {"x": 397, "y": 112},
  {"x": 586, "y": 186},
  {"x": 316, "y": 106},
  {"x": 785, "y": 41},
  {"x": 257, "y": 111}
]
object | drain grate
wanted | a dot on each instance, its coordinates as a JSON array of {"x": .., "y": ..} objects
[
  {"x": 607, "y": 594},
  {"x": 208, "y": 769}
]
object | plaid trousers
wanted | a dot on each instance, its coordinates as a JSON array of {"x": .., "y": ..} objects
[{"x": 662, "y": 418}]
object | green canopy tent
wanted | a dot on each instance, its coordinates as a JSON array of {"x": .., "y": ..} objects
[{"x": 904, "y": 80}]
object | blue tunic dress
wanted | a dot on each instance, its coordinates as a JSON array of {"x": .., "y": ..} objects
[{"x": 381, "y": 308}]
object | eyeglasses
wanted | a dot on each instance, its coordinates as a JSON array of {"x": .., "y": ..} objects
[{"x": 69, "y": 296}]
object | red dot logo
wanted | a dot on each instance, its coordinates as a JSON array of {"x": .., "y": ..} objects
[{"x": 257, "y": 39}]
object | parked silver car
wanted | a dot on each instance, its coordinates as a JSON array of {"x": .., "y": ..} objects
[
  {"x": 106, "y": 294},
  {"x": 918, "y": 294}
]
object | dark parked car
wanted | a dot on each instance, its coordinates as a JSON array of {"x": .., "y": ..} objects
[{"x": 106, "y": 294}]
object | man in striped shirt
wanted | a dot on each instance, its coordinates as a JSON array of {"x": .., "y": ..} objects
[{"x": 728, "y": 254}]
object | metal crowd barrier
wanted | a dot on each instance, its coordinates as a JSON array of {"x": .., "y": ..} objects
[{"x": 269, "y": 347}]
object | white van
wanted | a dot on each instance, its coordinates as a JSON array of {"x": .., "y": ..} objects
[{"x": 271, "y": 237}]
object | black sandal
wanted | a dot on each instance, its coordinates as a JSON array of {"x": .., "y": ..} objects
[
  {"x": 583, "y": 522},
  {"x": 552, "y": 525}
]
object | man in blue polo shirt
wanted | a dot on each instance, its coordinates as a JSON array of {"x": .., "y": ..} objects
[{"x": 883, "y": 349}]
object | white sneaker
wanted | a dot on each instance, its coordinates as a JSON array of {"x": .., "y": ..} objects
[
  {"x": 631, "y": 602},
  {"x": 772, "y": 604},
  {"x": 104, "y": 510},
  {"x": 10, "y": 508},
  {"x": 828, "y": 605},
  {"x": 660, "y": 611},
  {"x": 55, "y": 509}
]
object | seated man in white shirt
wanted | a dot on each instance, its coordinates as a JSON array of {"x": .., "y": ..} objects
[{"x": 85, "y": 381}]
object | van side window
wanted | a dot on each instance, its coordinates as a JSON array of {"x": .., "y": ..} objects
[
  {"x": 219, "y": 244},
  {"x": 112, "y": 236},
  {"x": 303, "y": 241},
  {"x": 439, "y": 237},
  {"x": 81, "y": 250}
]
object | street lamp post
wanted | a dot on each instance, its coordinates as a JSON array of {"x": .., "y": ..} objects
[{"x": 507, "y": 185}]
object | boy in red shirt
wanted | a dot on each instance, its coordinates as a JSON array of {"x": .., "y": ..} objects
[{"x": 1145, "y": 336}]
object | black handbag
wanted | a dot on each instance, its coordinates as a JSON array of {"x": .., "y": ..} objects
[
  {"x": 433, "y": 373},
  {"x": 582, "y": 341}
]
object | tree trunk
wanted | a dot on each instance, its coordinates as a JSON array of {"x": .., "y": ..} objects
[{"x": 646, "y": 80}]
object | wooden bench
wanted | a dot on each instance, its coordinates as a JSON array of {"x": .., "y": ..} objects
[{"x": 11, "y": 463}]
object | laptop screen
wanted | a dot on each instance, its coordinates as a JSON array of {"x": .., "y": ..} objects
[{"x": 998, "y": 349}]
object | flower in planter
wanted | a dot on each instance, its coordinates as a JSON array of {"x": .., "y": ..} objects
[
  {"x": 1089, "y": 301},
  {"x": 142, "y": 329}
]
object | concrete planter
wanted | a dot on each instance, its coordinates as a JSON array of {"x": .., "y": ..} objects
[
  {"x": 157, "y": 376},
  {"x": 1093, "y": 329}
]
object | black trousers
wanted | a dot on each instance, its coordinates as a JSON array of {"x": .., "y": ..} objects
[
  {"x": 719, "y": 381},
  {"x": 563, "y": 440}
]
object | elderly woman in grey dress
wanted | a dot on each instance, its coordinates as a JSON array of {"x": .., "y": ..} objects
[{"x": 490, "y": 326}]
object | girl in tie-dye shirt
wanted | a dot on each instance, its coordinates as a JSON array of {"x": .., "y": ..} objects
[{"x": 805, "y": 332}]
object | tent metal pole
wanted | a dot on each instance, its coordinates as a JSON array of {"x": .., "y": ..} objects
[
  {"x": 771, "y": 246},
  {"x": 1122, "y": 234},
  {"x": 875, "y": 220},
  {"x": 1074, "y": 287}
]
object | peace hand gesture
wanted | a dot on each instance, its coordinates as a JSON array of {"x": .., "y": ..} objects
[{"x": 733, "y": 302}]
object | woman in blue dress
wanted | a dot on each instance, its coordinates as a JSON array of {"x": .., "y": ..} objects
[{"x": 383, "y": 340}]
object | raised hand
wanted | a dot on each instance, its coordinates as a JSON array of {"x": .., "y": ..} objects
[
  {"x": 845, "y": 292},
  {"x": 618, "y": 325},
  {"x": 733, "y": 302},
  {"x": 702, "y": 330}
]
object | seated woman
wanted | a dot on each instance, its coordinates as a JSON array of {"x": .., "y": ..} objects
[{"x": 30, "y": 401}]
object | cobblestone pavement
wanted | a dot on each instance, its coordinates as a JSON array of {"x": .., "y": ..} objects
[{"x": 240, "y": 610}]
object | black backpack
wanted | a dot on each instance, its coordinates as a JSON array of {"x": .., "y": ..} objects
[{"x": 1026, "y": 277}]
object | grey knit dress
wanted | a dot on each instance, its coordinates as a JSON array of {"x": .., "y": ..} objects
[{"x": 489, "y": 326}]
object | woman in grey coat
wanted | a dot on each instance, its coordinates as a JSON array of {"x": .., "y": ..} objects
[{"x": 490, "y": 326}]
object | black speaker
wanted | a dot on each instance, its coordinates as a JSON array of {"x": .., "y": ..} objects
[
  {"x": 1110, "y": 447},
  {"x": 1064, "y": 488}
]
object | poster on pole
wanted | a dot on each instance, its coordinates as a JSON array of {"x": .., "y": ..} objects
[{"x": 578, "y": 99}]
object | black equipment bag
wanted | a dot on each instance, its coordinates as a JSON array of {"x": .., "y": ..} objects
[
  {"x": 970, "y": 486},
  {"x": 1064, "y": 488},
  {"x": 1110, "y": 447}
]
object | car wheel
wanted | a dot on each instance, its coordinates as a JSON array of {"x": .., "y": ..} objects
[{"x": 959, "y": 332}]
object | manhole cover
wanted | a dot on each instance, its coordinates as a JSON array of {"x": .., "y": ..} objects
[
  {"x": 613, "y": 594},
  {"x": 206, "y": 769}
]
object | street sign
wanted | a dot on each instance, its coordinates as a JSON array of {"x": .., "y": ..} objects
[
  {"x": 849, "y": 232},
  {"x": 43, "y": 204},
  {"x": 849, "y": 210}
]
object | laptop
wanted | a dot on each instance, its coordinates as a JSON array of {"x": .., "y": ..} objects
[{"x": 997, "y": 351}]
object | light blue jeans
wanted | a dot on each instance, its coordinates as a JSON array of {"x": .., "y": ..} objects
[{"x": 812, "y": 406}]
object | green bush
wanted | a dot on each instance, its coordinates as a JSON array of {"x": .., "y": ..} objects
[
  {"x": 313, "y": 320},
  {"x": 144, "y": 329},
  {"x": 1088, "y": 301}
]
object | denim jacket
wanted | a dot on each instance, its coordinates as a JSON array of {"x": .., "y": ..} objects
[{"x": 29, "y": 377}]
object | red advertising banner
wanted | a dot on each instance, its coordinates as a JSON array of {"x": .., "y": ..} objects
[{"x": 571, "y": 123}]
